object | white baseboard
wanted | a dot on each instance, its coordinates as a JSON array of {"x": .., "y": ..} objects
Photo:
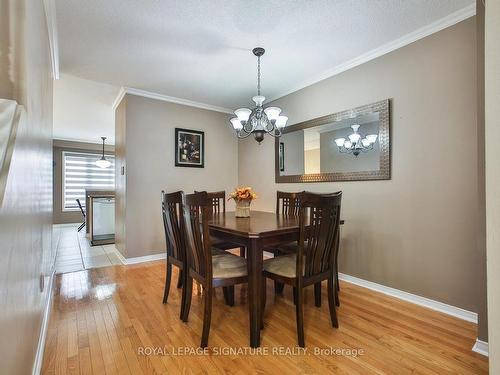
[
  {"x": 481, "y": 347},
  {"x": 413, "y": 298},
  {"x": 37, "y": 365},
  {"x": 146, "y": 258}
]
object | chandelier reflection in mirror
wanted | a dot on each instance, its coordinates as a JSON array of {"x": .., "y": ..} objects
[
  {"x": 260, "y": 120},
  {"x": 356, "y": 144}
]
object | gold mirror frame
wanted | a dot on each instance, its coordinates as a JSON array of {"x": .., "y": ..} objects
[{"x": 383, "y": 173}]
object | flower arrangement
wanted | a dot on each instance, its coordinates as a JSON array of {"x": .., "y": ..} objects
[
  {"x": 243, "y": 197},
  {"x": 242, "y": 194}
]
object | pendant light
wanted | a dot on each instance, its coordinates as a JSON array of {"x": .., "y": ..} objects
[{"x": 102, "y": 162}]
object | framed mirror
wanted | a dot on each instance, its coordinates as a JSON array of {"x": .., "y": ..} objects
[{"x": 352, "y": 145}]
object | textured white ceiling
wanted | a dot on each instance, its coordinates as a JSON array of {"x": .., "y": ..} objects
[{"x": 201, "y": 50}]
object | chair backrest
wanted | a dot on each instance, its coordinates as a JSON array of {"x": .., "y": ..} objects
[
  {"x": 197, "y": 211},
  {"x": 319, "y": 220},
  {"x": 287, "y": 204},
  {"x": 171, "y": 205},
  {"x": 218, "y": 201},
  {"x": 81, "y": 208}
]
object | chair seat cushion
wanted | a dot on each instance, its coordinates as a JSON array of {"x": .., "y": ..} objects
[
  {"x": 225, "y": 266},
  {"x": 216, "y": 251},
  {"x": 285, "y": 266}
]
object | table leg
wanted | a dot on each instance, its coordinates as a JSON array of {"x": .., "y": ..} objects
[{"x": 254, "y": 259}]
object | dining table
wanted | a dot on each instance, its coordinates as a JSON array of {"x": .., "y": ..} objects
[{"x": 262, "y": 230}]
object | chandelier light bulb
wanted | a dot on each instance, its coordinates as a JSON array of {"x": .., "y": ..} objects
[
  {"x": 354, "y": 137},
  {"x": 340, "y": 142},
  {"x": 347, "y": 144},
  {"x": 236, "y": 123},
  {"x": 243, "y": 114},
  {"x": 272, "y": 113},
  {"x": 281, "y": 122},
  {"x": 365, "y": 142},
  {"x": 372, "y": 138}
]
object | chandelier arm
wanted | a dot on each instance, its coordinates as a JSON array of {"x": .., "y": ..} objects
[
  {"x": 273, "y": 127},
  {"x": 246, "y": 135}
]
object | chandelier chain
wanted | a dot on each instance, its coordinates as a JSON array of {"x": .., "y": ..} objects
[{"x": 258, "y": 75}]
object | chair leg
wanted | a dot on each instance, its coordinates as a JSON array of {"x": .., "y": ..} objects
[
  {"x": 278, "y": 287},
  {"x": 187, "y": 293},
  {"x": 168, "y": 278},
  {"x": 207, "y": 317},
  {"x": 337, "y": 262},
  {"x": 331, "y": 303},
  {"x": 337, "y": 300},
  {"x": 300, "y": 316},
  {"x": 317, "y": 294},
  {"x": 263, "y": 302},
  {"x": 337, "y": 277},
  {"x": 228, "y": 295},
  {"x": 179, "y": 280},
  {"x": 242, "y": 251},
  {"x": 294, "y": 295}
]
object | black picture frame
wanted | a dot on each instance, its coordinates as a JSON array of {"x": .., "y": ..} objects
[
  {"x": 282, "y": 157},
  {"x": 189, "y": 148}
]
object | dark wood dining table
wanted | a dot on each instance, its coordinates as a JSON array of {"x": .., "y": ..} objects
[{"x": 262, "y": 230}]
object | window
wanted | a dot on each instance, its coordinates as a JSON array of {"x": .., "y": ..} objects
[{"x": 80, "y": 173}]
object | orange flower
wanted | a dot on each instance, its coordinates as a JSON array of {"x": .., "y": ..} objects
[{"x": 243, "y": 193}]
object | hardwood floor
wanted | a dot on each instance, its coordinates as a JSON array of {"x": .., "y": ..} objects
[{"x": 112, "y": 321}]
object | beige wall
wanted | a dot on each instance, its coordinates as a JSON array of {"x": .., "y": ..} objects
[
  {"x": 416, "y": 232},
  {"x": 492, "y": 100},
  {"x": 120, "y": 179},
  {"x": 60, "y": 216},
  {"x": 26, "y": 209},
  {"x": 149, "y": 165},
  {"x": 481, "y": 208}
]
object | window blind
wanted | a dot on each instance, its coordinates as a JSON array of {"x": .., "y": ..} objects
[{"x": 80, "y": 173}]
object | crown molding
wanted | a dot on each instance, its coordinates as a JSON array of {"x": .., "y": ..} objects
[
  {"x": 50, "y": 17},
  {"x": 171, "y": 99},
  {"x": 119, "y": 97},
  {"x": 441, "y": 24}
]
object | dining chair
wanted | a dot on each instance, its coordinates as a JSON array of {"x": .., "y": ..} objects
[
  {"x": 292, "y": 248},
  {"x": 171, "y": 205},
  {"x": 218, "y": 202},
  {"x": 287, "y": 204},
  {"x": 82, "y": 225},
  {"x": 319, "y": 220},
  {"x": 211, "y": 271}
]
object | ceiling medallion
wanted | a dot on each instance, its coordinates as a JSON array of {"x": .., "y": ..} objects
[{"x": 259, "y": 120}]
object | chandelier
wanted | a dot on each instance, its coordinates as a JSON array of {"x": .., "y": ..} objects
[
  {"x": 356, "y": 144},
  {"x": 260, "y": 120}
]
